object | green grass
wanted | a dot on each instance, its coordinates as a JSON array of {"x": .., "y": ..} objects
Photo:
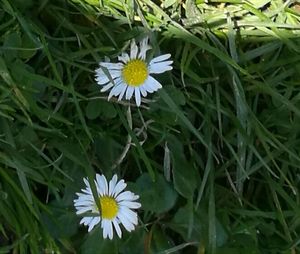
[{"x": 214, "y": 155}]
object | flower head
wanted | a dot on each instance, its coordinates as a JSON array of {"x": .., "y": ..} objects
[
  {"x": 116, "y": 206},
  {"x": 131, "y": 75}
]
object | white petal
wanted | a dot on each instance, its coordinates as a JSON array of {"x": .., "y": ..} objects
[
  {"x": 106, "y": 72},
  {"x": 160, "y": 58},
  {"x": 83, "y": 210},
  {"x": 81, "y": 206},
  {"x": 77, "y": 202},
  {"x": 148, "y": 87},
  {"x": 86, "y": 182},
  {"x": 144, "y": 47},
  {"x": 116, "y": 90},
  {"x": 110, "y": 230},
  {"x": 126, "y": 195},
  {"x": 107, "y": 87},
  {"x": 112, "y": 184},
  {"x": 116, "y": 82},
  {"x": 160, "y": 67},
  {"x": 117, "y": 227},
  {"x": 86, "y": 220},
  {"x": 125, "y": 200},
  {"x": 121, "y": 185},
  {"x": 104, "y": 226},
  {"x": 122, "y": 92},
  {"x": 129, "y": 214},
  {"x": 99, "y": 185},
  {"x": 133, "y": 50},
  {"x": 137, "y": 95},
  {"x": 130, "y": 204},
  {"x": 143, "y": 91},
  {"x": 129, "y": 92},
  {"x": 93, "y": 223},
  {"x": 112, "y": 66},
  {"x": 82, "y": 197},
  {"x": 126, "y": 223},
  {"x": 124, "y": 57},
  {"x": 152, "y": 84},
  {"x": 84, "y": 203},
  {"x": 102, "y": 184},
  {"x": 144, "y": 42},
  {"x": 87, "y": 190},
  {"x": 103, "y": 78}
]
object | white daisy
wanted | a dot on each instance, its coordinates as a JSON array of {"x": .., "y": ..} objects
[
  {"x": 131, "y": 75},
  {"x": 116, "y": 206}
]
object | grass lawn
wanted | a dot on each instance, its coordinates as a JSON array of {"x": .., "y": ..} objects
[{"x": 214, "y": 155}]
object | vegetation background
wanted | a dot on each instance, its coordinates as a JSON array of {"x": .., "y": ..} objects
[{"x": 214, "y": 155}]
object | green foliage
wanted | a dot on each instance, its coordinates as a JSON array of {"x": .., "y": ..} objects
[
  {"x": 214, "y": 155},
  {"x": 156, "y": 197}
]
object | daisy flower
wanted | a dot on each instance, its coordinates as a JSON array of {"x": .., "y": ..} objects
[
  {"x": 132, "y": 74},
  {"x": 116, "y": 206}
]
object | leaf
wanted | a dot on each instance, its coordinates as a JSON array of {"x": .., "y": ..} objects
[
  {"x": 11, "y": 45},
  {"x": 160, "y": 240},
  {"x": 181, "y": 224},
  {"x": 29, "y": 48},
  {"x": 133, "y": 244},
  {"x": 60, "y": 223},
  {"x": 155, "y": 196},
  {"x": 96, "y": 108},
  {"x": 184, "y": 174},
  {"x": 93, "y": 109},
  {"x": 94, "y": 243},
  {"x": 107, "y": 151}
]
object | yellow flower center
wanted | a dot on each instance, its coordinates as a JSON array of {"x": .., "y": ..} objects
[
  {"x": 135, "y": 72},
  {"x": 109, "y": 207}
]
